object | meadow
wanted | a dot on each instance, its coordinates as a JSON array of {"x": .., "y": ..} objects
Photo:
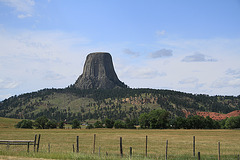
[{"x": 180, "y": 143}]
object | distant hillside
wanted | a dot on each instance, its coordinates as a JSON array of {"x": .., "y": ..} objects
[{"x": 70, "y": 103}]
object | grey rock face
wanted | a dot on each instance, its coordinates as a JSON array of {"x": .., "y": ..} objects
[{"x": 99, "y": 73}]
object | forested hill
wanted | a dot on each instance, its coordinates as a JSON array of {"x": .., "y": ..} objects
[{"x": 72, "y": 103}]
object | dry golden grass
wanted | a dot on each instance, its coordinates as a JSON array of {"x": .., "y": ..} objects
[
  {"x": 179, "y": 141},
  {"x": 8, "y": 122}
]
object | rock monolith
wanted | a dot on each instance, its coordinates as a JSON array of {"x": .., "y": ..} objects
[{"x": 99, "y": 73}]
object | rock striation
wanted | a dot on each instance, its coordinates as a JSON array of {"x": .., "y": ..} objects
[{"x": 99, "y": 73}]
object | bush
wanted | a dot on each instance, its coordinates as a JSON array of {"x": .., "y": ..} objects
[
  {"x": 90, "y": 126},
  {"x": 61, "y": 125},
  {"x": 41, "y": 122},
  {"x": 195, "y": 122},
  {"x": 179, "y": 123},
  {"x": 98, "y": 124},
  {"x": 119, "y": 124},
  {"x": 75, "y": 124},
  {"x": 233, "y": 122},
  {"x": 144, "y": 120},
  {"x": 159, "y": 119},
  {"x": 155, "y": 119},
  {"x": 51, "y": 124},
  {"x": 129, "y": 124},
  {"x": 24, "y": 124},
  {"x": 109, "y": 123}
]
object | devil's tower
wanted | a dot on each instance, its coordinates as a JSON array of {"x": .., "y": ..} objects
[{"x": 99, "y": 73}]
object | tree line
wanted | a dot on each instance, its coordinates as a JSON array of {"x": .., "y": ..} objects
[
  {"x": 40, "y": 123},
  {"x": 155, "y": 119},
  {"x": 159, "y": 119}
]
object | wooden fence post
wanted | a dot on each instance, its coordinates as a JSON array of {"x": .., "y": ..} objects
[
  {"x": 77, "y": 149},
  {"x": 166, "y": 150},
  {"x": 49, "y": 147},
  {"x": 219, "y": 151},
  {"x": 146, "y": 146},
  {"x": 121, "y": 150},
  {"x": 35, "y": 141},
  {"x": 99, "y": 151},
  {"x": 130, "y": 152},
  {"x": 28, "y": 147},
  {"x": 39, "y": 136},
  {"x": 94, "y": 140},
  {"x": 194, "y": 146},
  {"x": 199, "y": 156},
  {"x": 73, "y": 148},
  {"x": 8, "y": 145}
]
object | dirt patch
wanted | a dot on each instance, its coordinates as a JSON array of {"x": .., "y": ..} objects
[{"x": 218, "y": 116}]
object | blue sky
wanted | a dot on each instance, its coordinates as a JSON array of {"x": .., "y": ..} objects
[{"x": 188, "y": 45}]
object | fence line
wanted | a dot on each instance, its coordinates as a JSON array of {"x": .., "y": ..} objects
[
  {"x": 23, "y": 142},
  {"x": 76, "y": 148}
]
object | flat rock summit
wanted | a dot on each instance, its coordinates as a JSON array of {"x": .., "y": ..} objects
[{"x": 99, "y": 73}]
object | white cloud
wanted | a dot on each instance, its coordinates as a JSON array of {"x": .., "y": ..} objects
[
  {"x": 226, "y": 82},
  {"x": 209, "y": 47},
  {"x": 233, "y": 72},
  {"x": 161, "y": 53},
  {"x": 198, "y": 57},
  {"x": 234, "y": 82},
  {"x": 134, "y": 72},
  {"x": 4, "y": 96},
  {"x": 188, "y": 80},
  {"x": 24, "y": 8},
  {"x": 200, "y": 78},
  {"x": 8, "y": 84},
  {"x": 160, "y": 33},
  {"x": 24, "y": 15},
  {"x": 50, "y": 75},
  {"x": 218, "y": 78},
  {"x": 34, "y": 60},
  {"x": 191, "y": 84},
  {"x": 41, "y": 59},
  {"x": 230, "y": 80}
]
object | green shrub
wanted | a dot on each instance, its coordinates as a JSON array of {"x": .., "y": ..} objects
[
  {"x": 90, "y": 126},
  {"x": 76, "y": 124},
  {"x": 24, "y": 124},
  {"x": 41, "y": 122},
  {"x": 109, "y": 123},
  {"x": 98, "y": 124},
  {"x": 61, "y": 125},
  {"x": 233, "y": 122},
  {"x": 119, "y": 124},
  {"x": 51, "y": 124}
]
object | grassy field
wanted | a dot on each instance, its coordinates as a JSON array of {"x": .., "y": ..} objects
[
  {"x": 8, "y": 122},
  {"x": 179, "y": 143}
]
